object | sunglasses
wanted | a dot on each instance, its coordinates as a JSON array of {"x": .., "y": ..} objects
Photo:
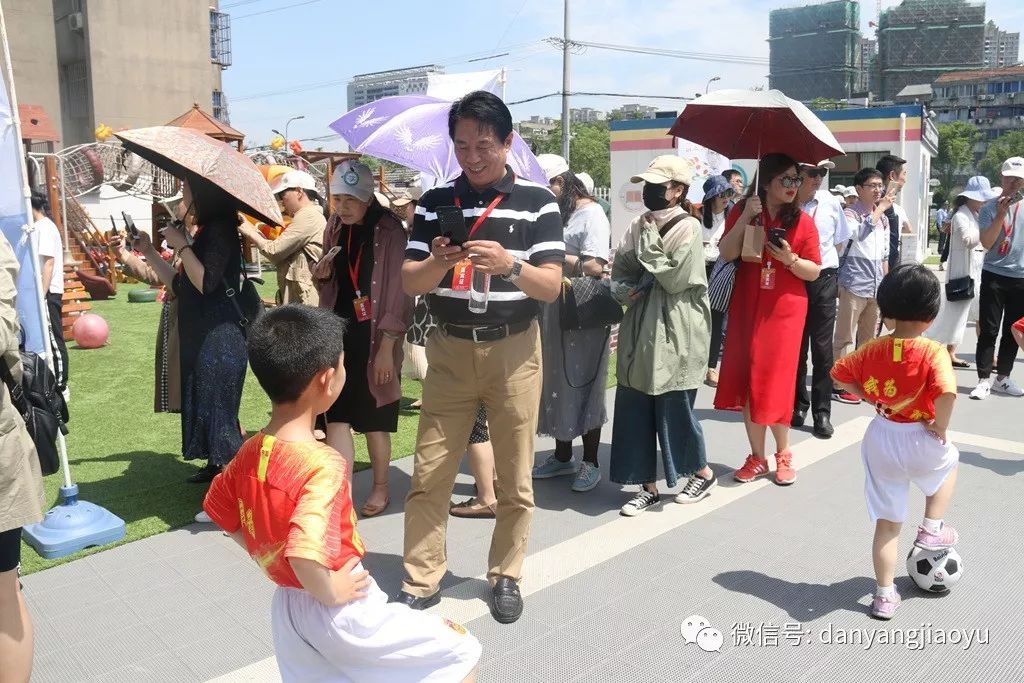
[{"x": 791, "y": 181}]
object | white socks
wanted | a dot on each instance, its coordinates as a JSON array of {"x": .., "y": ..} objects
[
  {"x": 932, "y": 526},
  {"x": 886, "y": 592}
]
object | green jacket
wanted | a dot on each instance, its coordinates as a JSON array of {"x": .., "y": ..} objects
[{"x": 665, "y": 334}]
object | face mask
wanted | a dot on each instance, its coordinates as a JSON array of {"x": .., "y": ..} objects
[{"x": 654, "y": 197}]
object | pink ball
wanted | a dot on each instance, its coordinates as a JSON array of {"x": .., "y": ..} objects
[{"x": 90, "y": 331}]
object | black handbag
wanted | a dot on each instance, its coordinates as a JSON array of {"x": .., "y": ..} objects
[
  {"x": 587, "y": 302},
  {"x": 41, "y": 406},
  {"x": 247, "y": 301},
  {"x": 960, "y": 289}
]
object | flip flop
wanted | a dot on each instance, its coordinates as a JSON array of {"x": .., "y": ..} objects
[
  {"x": 471, "y": 508},
  {"x": 961, "y": 364},
  {"x": 374, "y": 510}
]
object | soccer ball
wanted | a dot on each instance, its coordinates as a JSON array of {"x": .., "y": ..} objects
[{"x": 935, "y": 571}]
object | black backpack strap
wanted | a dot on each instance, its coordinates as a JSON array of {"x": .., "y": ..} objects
[{"x": 15, "y": 389}]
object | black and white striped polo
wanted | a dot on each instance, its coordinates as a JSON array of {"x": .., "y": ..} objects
[{"x": 527, "y": 223}]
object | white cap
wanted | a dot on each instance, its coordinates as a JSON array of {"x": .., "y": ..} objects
[
  {"x": 665, "y": 168},
  {"x": 850, "y": 192},
  {"x": 553, "y": 165},
  {"x": 406, "y": 195},
  {"x": 838, "y": 189},
  {"x": 293, "y": 179},
  {"x": 1014, "y": 166},
  {"x": 353, "y": 178},
  {"x": 588, "y": 182},
  {"x": 825, "y": 164}
]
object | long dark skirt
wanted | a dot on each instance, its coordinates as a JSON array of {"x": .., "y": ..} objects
[
  {"x": 642, "y": 422},
  {"x": 212, "y": 395}
]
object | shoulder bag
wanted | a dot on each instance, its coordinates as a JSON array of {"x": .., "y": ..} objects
[
  {"x": 960, "y": 289},
  {"x": 41, "y": 406}
]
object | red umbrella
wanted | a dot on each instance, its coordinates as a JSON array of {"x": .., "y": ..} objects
[{"x": 748, "y": 124}]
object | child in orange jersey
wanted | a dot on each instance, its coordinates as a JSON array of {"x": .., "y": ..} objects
[
  {"x": 910, "y": 381},
  {"x": 285, "y": 499}
]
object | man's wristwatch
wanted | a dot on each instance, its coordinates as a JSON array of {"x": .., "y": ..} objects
[{"x": 517, "y": 270}]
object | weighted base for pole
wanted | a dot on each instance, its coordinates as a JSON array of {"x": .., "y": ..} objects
[{"x": 73, "y": 525}]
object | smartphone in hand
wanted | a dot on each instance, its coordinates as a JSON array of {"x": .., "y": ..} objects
[
  {"x": 452, "y": 224},
  {"x": 129, "y": 226},
  {"x": 776, "y": 235}
]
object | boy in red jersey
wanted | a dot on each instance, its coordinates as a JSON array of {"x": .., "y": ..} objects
[
  {"x": 285, "y": 499},
  {"x": 910, "y": 381}
]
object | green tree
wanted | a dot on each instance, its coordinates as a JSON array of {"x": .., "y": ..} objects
[
  {"x": 999, "y": 150},
  {"x": 824, "y": 103},
  {"x": 956, "y": 151},
  {"x": 589, "y": 149}
]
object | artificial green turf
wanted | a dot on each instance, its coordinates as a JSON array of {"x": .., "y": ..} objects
[{"x": 127, "y": 458}]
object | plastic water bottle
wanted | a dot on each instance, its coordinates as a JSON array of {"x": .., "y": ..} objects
[{"x": 479, "y": 292}]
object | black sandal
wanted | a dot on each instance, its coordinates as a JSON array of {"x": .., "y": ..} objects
[{"x": 961, "y": 364}]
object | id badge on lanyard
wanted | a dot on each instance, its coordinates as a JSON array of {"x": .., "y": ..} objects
[
  {"x": 1004, "y": 246},
  {"x": 361, "y": 304},
  {"x": 768, "y": 273},
  {"x": 462, "y": 274}
]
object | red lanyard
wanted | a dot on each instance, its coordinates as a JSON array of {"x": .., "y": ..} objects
[
  {"x": 353, "y": 272},
  {"x": 1004, "y": 248},
  {"x": 482, "y": 217}
]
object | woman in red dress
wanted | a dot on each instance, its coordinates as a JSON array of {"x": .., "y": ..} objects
[{"x": 767, "y": 313}]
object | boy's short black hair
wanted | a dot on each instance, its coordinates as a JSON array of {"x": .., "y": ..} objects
[
  {"x": 289, "y": 345},
  {"x": 864, "y": 175},
  {"x": 889, "y": 163},
  {"x": 485, "y": 108},
  {"x": 909, "y": 292},
  {"x": 730, "y": 173}
]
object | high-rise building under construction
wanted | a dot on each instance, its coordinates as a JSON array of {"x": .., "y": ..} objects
[
  {"x": 919, "y": 40},
  {"x": 814, "y": 50}
]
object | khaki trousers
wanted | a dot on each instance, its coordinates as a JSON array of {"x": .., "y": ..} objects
[
  {"x": 506, "y": 377},
  {"x": 857, "y": 319}
]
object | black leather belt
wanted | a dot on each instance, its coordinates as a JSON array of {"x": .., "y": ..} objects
[{"x": 485, "y": 333}]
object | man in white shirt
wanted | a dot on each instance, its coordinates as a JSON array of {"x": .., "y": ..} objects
[
  {"x": 894, "y": 173},
  {"x": 833, "y": 229},
  {"x": 51, "y": 273}
]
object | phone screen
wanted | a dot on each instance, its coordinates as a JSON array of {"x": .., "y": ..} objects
[{"x": 452, "y": 224}]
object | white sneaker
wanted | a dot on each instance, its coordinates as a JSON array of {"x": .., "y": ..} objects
[
  {"x": 1007, "y": 386},
  {"x": 203, "y": 518},
  {"x": 981, "y": 392}
]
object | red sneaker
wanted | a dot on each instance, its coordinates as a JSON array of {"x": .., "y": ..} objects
[
  {"x": 753, "y": 468},
  {"x": 784, "y": 472},
  {"x": 845, "y": 397}
]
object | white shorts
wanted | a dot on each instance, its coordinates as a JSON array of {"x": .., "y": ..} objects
[
  {"x": 896, "y": 454},
  {"x": 368, "y": 640}
]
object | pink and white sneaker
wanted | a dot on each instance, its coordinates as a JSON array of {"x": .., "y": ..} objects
[
  {"x": 946, "y": 538},
  {"x": 883, "y": 607}
]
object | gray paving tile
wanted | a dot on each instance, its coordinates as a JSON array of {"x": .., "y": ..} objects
[
  {"x": 200, "y": 561},
  {"x": 500, "y": 671},
  {"x": 497, "y": 638},
  {"x": 113, "y": 650},
  {"x": 123, "y": 557},
  {"x": 211, "y": 658},
  {"x": 54, "y": 601},
  {"x": 226, "y": 579},
  {"x": 184, "y": 540},
  {"x": 554, "y": 657},
  {"x": 163, "y": 668},
  {"x": 159, "y": 599},
  {"x": 55, "y": 664},
  {"x": 197, "y": 623},
  {"x": 127, "y": 581},
  {"x": 74, "y": 627}
]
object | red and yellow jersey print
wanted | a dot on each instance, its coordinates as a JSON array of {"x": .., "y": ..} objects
[
  {"x": 902, "y": 377},
  {"x": 291, "y": 500}
]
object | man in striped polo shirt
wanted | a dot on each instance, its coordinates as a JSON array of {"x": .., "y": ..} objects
[{"x": 492, "y": 357}]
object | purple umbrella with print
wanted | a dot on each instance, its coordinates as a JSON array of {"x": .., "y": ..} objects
[{"x": 412, "y": 130}]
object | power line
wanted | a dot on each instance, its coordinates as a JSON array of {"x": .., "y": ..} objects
[
  {"x": 509, "y": 26},
  {"x": 275, "y": 9},
  {"x": 603, "y": 94},
  {"x": 238, "y": 4},
  {"x": 660, "y": 52},
  {"x": 473, "y": 57}
]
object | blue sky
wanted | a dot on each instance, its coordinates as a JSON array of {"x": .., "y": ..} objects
[{"x": 311, "y": 42}]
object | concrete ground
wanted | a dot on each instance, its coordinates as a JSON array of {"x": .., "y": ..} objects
[{"x": 783, "y": 573}]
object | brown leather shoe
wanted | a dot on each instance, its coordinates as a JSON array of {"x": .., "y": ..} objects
[{"x": 471, "y": 508}]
